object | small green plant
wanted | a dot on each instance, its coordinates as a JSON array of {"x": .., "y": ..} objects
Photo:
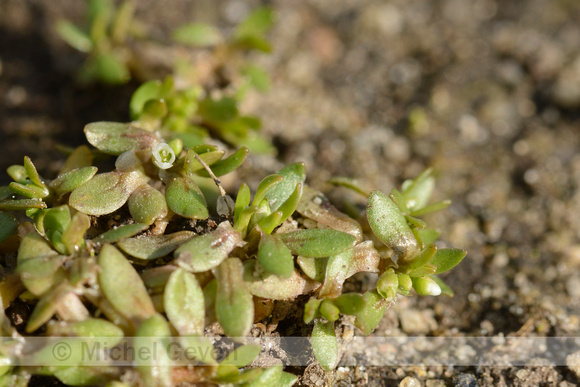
[
  {"x": 188, "y": 104},
  {"x": 153, "y": 247},
  {"x": 142, "y": 277}
]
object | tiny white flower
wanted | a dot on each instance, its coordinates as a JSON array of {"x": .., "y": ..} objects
[{"x": 163, "y": 156}]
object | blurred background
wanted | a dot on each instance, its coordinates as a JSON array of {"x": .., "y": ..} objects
[{"x": 485, "y": 91}]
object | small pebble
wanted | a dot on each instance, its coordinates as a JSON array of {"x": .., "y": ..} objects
[{"x": 410, "y": 381}]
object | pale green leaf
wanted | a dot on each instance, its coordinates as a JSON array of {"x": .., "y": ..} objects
[
  {"x": 184, "y": 303},
  {"x": 325, "y": 345},
  {"x": 317, "y": 242},
  {"x": 154, "y": 246}
]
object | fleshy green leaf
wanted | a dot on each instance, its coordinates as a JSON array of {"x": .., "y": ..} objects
[
  {"x": 197, "y": 35},
  {"x": 154, "y": 246},
  {"x": 311, "y": 310},
  {"x": 317, "y": 242},
  {"x": 266, "y": 184},
  {"x": 426, "y": 286},
  {"x": 120, "y": 233},
  {"x": 105, "y": 193},
  {"x": 329, "y": 311},
  {"x": 185, "y": 198},
  {"x": 123, "y": 287},
  {"x": 46, "y": 307},
  {"x": 423, "y": 258},
  {"x": 445, "y": 289},
  {"x": 221, "y": 110},
  {"x": 234, "y": 304},
  {"x": 275, "y": 257},
  {"x": 111, "y": 69},
  {"x": 242, "y": 201},
  {"x": 153, "y": 337},
  {"x": 447, "y": 259},
  {"x": 274, "y": 287},
  {"x": 371, "y": 315},
  {"x": 432, "y": 208},
  {"x": 207, "y": 251},
  {"x": 227, "y": 165},
  {"x": 21, "y": 204},
  {"x": 242, "y": 356},
  {"x": 146, "y": 204},
  {"x": 350, "y": 303},
  {"x": 147, "y": 91},
  {"x": 184, "y": 303},
  {"x": 73, "y": 237},
  {"x": 390, "y": 226},
  {"x": 28, "y": 190},
  {"x": 279, "y": 193},
  {"x": 8, "y": 225},
  {"x": 337, "y": 269},
  {"x": 32, "y": 172},
  {"x": 81, "y": 157},
  {"x": 115, "y": 137},
  {"x": 417, "y": 192},
  {"x": 192, "y": 164},
  {"x": 74, "y": 36},
  {"x": 351, "y": 184},
  {"x": 72, "y": 179},
  {"x": 314, "y": 205},
  {"x": 325, "y": 345},
  {"x": 313, "y": 267},
  {"x": 388, "y": 285}
]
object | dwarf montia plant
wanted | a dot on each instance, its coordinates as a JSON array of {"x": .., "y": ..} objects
[{"x": 136, "y": 251}]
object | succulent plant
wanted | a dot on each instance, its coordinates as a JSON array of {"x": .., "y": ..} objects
[{"x": 154, "y": 249}]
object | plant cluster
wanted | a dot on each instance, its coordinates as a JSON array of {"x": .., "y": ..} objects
[
  {"x": 154, "y": 247},
  {"x": 200, "y": 100}
]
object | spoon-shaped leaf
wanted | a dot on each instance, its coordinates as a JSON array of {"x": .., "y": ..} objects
[
  {"x": 337, "y": 269},
  {"x": 154, "y": 246},
  {"x": 120, "y": 233},
  {"x": 447, "y": 259},
  {"x": 72, "y": 179},
  {"x": 81, "y": 157},
  {"x": 123, "y": 287},
  {"x": 115, "y": 138},
  {"x": 105, "y": 193},
  {"x": 275, "y": 257},
  {"x": 390, "y": 226},
  {"x": 234, "y": 303},
  {"x": 317, "y": 242},
  {"x": 314, "y": 205},
  {"x": 275, "y": 287},
  {"x": 184, "y": 304},
  {"x": 279, "y": 193},
  {"x": 417, "y": 192},
  {"x": 185, "y": 198},
  {"x": 152, "y": 338},
  {"x": 227, "y": 165},
  {"x": 32, "y": 173},
  {"x": 146, "y": 204},
  {"x": 266, "y": 184},
  {"x": 324, "y": 344},
  {"x": 207, "y": 251},
  {"x": 369, "y": 317}
]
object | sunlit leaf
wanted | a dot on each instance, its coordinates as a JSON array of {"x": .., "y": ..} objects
[
  {"x": 28, "y": 190},
  {"x": 154, "y": 246},
  {"x": 275, "y": 257},
  {"x": 72, "y": 179},
  {"x": 105, "y": 193},
  {"x": 147, "y": 91},
  {"x": 227, "y": 165},
  {"x": 314, "y": 205},
  {"x": 21, "y": 204},
  {"x": 314, "y": 268},
  {"x": 317, "y": 242},
  {"x": 153, "y": 336},
  {"x": 311, "y": 310},
  {"x": 192, "y": 164},
  {"x": 279, "y": 193},
  {"x": 447, "y": 259},
  {"x": 417, "y": 192},
  {"x": 329, "y": 311},
  {"x": 184, "y": 303},
  {"x": 185, "y": 198},
  {"x": 120, "y": 233},
  {"x": 275, "y": 287},
  {"x": 146, "y": 204},
  {"x": 123, "y": 287},
  {"x": 207, "y": 251},
  {"x": 115, "y": 137},
  {"x": 390, "y": 226},
  {"x": 325, "y": 345},
  {"x": 350, "y": 303},
  {"x": 32, "y": 173},
  {"x": 234, "y": 304},
  {"x": 73, "y": 237},
  {"x": 445, "y": 289},
  {"x": 337, "y": 269},
  {"x": 372, "y": 313},
  {"x": 426, "y": 286}
]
